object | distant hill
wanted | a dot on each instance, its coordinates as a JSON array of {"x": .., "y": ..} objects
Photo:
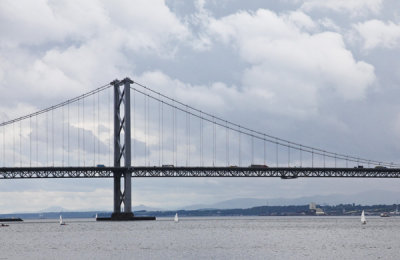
[
  {"x": 143, "y": 207},
  {"x": 54, "y": 209},
  {"x": 364, "y": 198}
]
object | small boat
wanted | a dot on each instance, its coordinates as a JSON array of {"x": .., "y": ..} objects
[
  {"x": 61, "y": 221},
  {"x": 385, "y": 214},
  {"x": 176, "y": 217},
  {"x": 363, "y": 220},
  {"x": 3, "y": 225}
]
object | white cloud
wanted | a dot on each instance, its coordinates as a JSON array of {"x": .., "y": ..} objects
[
  {"x": 32, "y": 23},
  {"x": 146, "y": 25},
  {"x": 376, "y": 33},
  {"x": 290, "y": 67},
  {"x": 329, "y": 24},
  {"x": 354, "y": 7},
  {"x": 51, "y": 48}
]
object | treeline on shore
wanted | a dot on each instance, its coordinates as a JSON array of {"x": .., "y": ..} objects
[{"x": 301, "y": 210}]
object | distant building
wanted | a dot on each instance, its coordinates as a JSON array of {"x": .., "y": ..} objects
[
  {"x": 319, "y": 212},
  {"x": 314, "y": 210}
]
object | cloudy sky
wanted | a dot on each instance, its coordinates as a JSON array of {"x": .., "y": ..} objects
[{"x": 321, "y": 73}]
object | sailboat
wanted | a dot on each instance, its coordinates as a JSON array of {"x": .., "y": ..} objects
[
  {"x": 176, "y": 217},
  {"x": 61, "y": 221},
  {"x": 363, "y": 220}
]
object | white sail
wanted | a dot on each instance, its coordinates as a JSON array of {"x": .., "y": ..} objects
[
  {"x": 363, "y": 220},
  {"x": 176, "y": 217},
  {"x": 61, "y": 221}
]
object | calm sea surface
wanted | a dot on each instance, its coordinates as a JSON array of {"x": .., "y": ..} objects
[{"x": 205, "y": 238}]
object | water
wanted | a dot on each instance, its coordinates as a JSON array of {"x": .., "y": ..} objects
[{"x": 205, "y": 238}]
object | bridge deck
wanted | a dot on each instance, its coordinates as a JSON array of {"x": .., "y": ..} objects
[{"x": 281, "y": 172}]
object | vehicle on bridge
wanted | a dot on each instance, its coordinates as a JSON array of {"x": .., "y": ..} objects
[
  {"x": 284, "y": 177},
  {"x": 258, "y": 166}
]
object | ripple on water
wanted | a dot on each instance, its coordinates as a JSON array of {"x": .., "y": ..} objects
[{"x": 193, "y": 238}]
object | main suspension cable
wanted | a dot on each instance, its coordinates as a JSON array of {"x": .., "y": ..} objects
[{"x": 282, "y": 142}]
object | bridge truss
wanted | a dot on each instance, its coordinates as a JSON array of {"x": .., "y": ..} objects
[{"x": 140, "y": 172}]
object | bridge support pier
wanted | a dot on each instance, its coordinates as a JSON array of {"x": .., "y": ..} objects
[
  {"x": 122, "y": 197},
  {"x": 122, "y": 149},
  {"x": 122, "y": 153}
]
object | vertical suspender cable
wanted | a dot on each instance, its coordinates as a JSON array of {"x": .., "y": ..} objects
[
  {"x": 187, "y": 137},
  {"x": 277, "y": 153},
  {"x": 30, "y": 141},
  {"x": 240, "y": 147},
  {"x": 227, "y": 143},
  {"x": 335, "y": 161},
  {"x": 94, "y": 130},
  {"x": 288, "y": 163},
  {"x": 145, "y": 130},
  {"x": 3, "y": 164},
  {"x": 4, "y": 146},
  {"x": 301, "y": 157},
  {"x": 68, "y": 137},
  {"x": 83, "y": 132},
  {"x": 133, "y": 128},
  {"x": 252, "y": 149},
  {"x": 188, "y": 116},
  {"x": 47, "y": 139},
  {"x": 148, "y": 130},
  {"x": 173, "y": 133},
  {"x": 161, "y": 106},
  {"x": 63, "y": 124},
  {"x": 187, "y": 146},
  {"x": 265, "y": 151},
  {"x": 202, "y": 141},
  {"x": 98, "y": 126},
  {"x": 20, "y": 143},
  {"x": 52, "y": 135},
  {"x": 175, "y": 136},
  {"x": 312, "y": 158},
  {"x": 159, "y": 133},
  {"x": 37, "y": 143},
  {"x": 214, "y": 142},
  {"x": 13, "y": 144},
  {"x": 79, "y": 132}
]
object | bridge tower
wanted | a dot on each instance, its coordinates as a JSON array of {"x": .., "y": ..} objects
[{"x": 122, "y": 149}]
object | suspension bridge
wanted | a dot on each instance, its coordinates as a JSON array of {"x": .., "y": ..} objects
[{"x": 125, "y": 130}]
